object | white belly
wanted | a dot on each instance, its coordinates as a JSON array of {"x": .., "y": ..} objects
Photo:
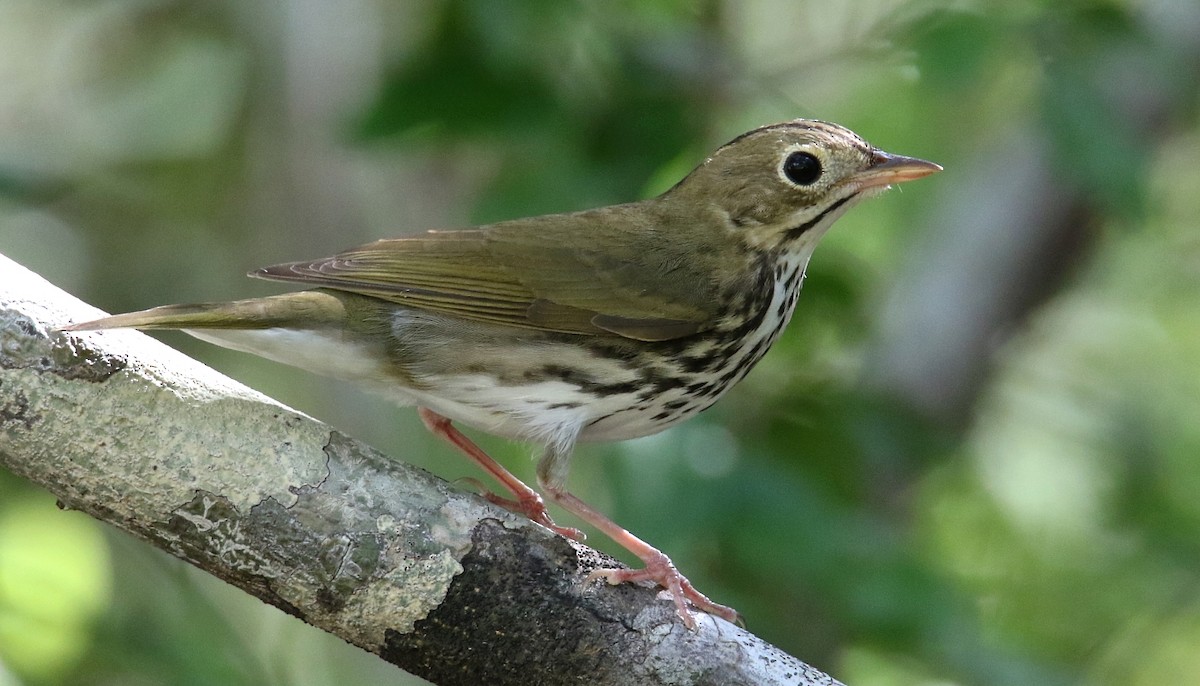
[{"x": 545, "y": 412}]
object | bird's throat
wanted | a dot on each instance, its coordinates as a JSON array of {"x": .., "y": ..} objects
[{"x": 826, "y": 217}]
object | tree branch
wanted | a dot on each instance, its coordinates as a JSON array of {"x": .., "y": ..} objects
[{"x": 436, "y": 581}]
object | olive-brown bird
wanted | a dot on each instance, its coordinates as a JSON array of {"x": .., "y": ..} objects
[{"x": 600, "y": 325}]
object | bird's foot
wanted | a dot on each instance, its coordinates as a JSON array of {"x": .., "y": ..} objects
[
  {"x": 533, "y": 507},
  {"x": 660, "y": 570}
]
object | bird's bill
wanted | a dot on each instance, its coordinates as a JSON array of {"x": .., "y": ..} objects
[{"x": 887, "y": 169}]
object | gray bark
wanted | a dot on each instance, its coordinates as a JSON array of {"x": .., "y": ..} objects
[{"x": 388, "y": 557}]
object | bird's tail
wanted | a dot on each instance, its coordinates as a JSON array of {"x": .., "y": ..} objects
[{"x": 305, "y": 309}]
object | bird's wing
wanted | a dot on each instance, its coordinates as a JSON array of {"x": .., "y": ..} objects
[{"x": 520, "y": 275}]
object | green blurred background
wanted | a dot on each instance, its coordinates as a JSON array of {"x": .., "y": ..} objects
[{"x": 973, "y": 459}]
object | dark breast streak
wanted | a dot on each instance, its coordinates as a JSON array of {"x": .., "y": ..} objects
[{"x": 680, "y": 378}]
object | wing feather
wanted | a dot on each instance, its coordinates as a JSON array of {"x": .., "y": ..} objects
[{"x": 526, "y": 273}]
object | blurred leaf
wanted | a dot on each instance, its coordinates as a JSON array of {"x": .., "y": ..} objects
[
  {"x": 574, "y": 132},
  {"x": 1096, "y": 141},
  {"x": 168, "y": 629},
  {"x": 455, "y": 83},
  {"x": 952, "y": 47},
  {"x": 54, "y": 581}
]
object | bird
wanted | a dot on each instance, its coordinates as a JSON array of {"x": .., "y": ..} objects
[{"x": 598, "y": 325}]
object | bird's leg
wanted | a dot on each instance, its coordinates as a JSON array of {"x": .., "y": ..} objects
[
  {"x": 552, "y": 472},
  {"x": 527, "y": 501}
]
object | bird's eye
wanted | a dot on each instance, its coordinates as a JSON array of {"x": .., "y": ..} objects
[{"x": 802, "y": 168}]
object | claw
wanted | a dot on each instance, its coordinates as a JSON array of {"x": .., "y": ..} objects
[
  {"x": 475, "y": 484},
  {"x": 661, "y": 571},
  {"x": 535, "y": 509}
]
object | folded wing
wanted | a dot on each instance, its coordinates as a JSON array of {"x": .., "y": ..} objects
[{"x": 523, "y": 276}]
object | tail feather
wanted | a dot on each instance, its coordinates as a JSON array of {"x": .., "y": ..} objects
[{"x": 305, "y": 309}]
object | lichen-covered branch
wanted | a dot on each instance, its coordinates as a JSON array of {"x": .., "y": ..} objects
[{"x": 384, "y": 555}]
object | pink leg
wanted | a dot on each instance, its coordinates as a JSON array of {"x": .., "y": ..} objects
[
  {"x": 527, "y": 502},
  {"x": 659, "y": 568}
]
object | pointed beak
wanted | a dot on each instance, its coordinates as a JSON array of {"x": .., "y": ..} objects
[{"x": 887, "y": 169}]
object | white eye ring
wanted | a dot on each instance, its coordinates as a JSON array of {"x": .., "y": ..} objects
[{"x": 801, "y": 167}]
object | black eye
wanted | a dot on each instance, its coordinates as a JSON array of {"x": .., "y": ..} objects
[{"x": 802, "y": 168}]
